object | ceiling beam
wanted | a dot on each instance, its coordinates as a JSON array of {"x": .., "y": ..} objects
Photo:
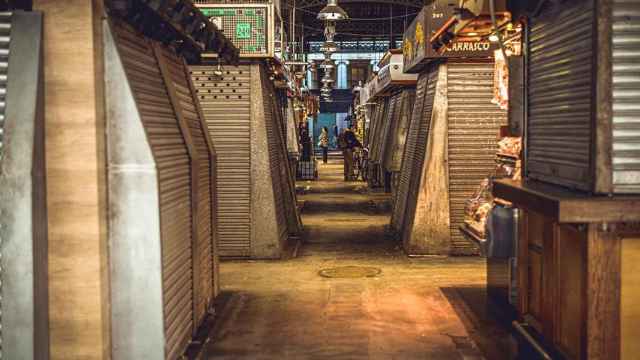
[{"x": 305, "y": 4}]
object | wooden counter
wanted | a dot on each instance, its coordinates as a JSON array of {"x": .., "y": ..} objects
[{"x": 577, "y": 272}]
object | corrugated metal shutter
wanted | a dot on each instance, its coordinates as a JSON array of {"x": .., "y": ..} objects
[
  {"x": 183, "y": 103},
  {"x": 376, "y": 133},
  {"x": 276, "y": 151},
  {"x": 390, "y": 120},
  {"x": 400, "y": 128},
  {"x": 561, "y": 92},
  {"x": 420, "y": 136},
  {"x": 626, "y": 96},
  {"x": 226, "y": 104},
  {"x": 399, "y": 210},
  {"x": 5, "y": 32},
  {"x": 287, "y": 173},
  {"x": 172, "y": 159},
  {"x": 473, "y": 127}
]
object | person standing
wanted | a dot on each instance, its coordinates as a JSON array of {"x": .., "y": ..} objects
[
  {"x": 347, "y": 154},
  {"x": 305, "y": 141},
  {"x": 351, "y": 143},
  {"x": 324, "y": 144}
]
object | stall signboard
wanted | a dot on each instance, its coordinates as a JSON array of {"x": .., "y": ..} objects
[
  {"x": 251, "y": 27},
  {"x": 466, "y": 49},
  {"x": 423, "y": 39}
]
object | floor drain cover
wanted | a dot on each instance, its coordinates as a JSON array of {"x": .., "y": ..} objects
[{"x": 350, "y": 272}]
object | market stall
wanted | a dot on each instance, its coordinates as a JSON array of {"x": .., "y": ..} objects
[
  {"x": 579, "y": 234},
  {"x": 452, "y": 139},
  {"x": 245, "y": 116}
]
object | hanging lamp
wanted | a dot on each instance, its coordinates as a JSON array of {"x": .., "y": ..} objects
[
  {"x": 329, "y": 47},
  {"x": 332, "y": 12},
  {"x": 327, "y": 65}
]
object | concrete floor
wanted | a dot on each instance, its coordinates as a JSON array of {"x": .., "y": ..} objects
[{"x": 415, "y": 309}]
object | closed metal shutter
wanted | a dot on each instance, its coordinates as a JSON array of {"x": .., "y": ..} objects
[
  {"x": 420, "y": 136},
  {"x": 177, "y": 80},
  {"x": 276, "y": 151},
  {"x": 473, "y": 126},
  {"x": 226, "y": 104},
  {"x": 376, "y": 133},
  {"x": 398, "y": 135},
  {"x": 287, "y": 173},
  {"x": 399, "y": 210},
  {"x": 626, "y": 97},
  {"x": 376, "y": 174},
  {"x": 388, "y": 128},
  {"x": 174, "y": 177},
  {"x": 561, "y": 92},
  {"x": 5, "y": 34}
]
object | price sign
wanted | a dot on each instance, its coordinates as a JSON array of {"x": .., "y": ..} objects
[{"x": 243, "y": 31}]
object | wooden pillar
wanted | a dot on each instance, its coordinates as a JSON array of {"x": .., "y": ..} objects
[{"x": 75, "y": 155}]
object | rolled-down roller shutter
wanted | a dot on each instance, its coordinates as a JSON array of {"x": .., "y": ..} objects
[
  {"x": 174, "y": 180},
  {"x": 383, "y": 129},
  {"x": 419, "y": 135},
  {"x": 561, "y": 92},
  {"x": 287, "y": 184},
  {"x": 400, "y": 127},
  {"x": 276, "y": 151},
  {"x": 473, "y": 126},
  {"x": 388, "y": 127},
  {"x": 226, "y": 104},
  {"x": 381, "y": 112},
  {"x": 397, "y": 218},
  {"x": 626, "y": 97},
  {"x": 177, "y": 80}
]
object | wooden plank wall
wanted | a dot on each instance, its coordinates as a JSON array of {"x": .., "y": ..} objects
[{"x": 74, "y": 118}]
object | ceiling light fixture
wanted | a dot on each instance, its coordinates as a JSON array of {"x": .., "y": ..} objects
[
  {"x": 327, "y": 65},
  {"x": 329, "y": 47},
  {"x": 332, "y": 12}
]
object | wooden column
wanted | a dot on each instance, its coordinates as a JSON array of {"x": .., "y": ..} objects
[{"x": 74, "y": 120}]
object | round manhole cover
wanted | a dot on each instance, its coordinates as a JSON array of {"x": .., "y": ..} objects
[{"x": 350, "y": 272}]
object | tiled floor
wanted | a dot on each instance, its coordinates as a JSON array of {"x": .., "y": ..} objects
[{"x": 426, "y": 308}]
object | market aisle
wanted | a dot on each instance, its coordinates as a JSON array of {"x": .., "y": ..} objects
[{"x": 286, "y": 310}]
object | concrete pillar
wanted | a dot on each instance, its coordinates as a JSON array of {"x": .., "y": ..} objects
[{"x": 76, "y": 172}]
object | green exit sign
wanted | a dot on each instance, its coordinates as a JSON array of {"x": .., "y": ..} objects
[{"x": 243, "y": 31}]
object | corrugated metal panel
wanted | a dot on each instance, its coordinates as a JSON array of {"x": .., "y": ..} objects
[
  {"x": 398, "y": 135},
  {"x": 5, "y": 34},
  {"x": 226, "y": 104},
  {"x": 420, "y": 136},
  {"x": 390, "y": 121},
  {"x": 473, "y": 128},
  {"x": 561, "y": 93},
  {"x": 174, "y": 177},
  {"x": 377, "y": 128},
  {"x": 399, "y": 210},
  {"x": 276, "y": 151},
  {"x": 626, "y": 96},
  {"x": 183, "y": 102},
  {"x": 287, "y": 172}
]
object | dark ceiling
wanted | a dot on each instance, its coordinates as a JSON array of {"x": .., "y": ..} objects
[{"x": 369, "y": 20}]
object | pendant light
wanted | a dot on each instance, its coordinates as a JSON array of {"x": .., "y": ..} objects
[
  {"x": 329, "y": 47},
  {"x": 327, "y": 65},
  {"x": 332, "y": 12},
  {"x": 327, "y": 80}
]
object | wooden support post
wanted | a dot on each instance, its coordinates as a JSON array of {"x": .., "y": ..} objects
[
  {"x": 76, "y": 173},
  {"x": 603, "y": 293}
]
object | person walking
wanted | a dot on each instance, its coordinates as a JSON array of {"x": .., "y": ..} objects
[{"x": 324, "y": 144}]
